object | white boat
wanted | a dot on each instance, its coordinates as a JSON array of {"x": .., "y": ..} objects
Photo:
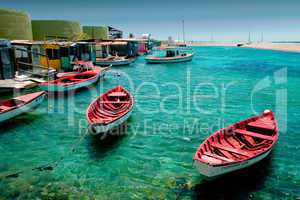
[
  {"x": 19, "y": 105},
  {"x": 170, "y": 55},
  {"x": 114, "y": 61}
]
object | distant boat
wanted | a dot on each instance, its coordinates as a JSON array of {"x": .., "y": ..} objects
[
  {"x": 73, "y": 81},
  {"x": 237, "y": 146},
  {"x": 171, "y": 55},
  {"x": 82, "y": 66},
  {"x": 19, "y": 105},
  {"x": 114, "y": 61},
  {"x": 109, "y": 110}
]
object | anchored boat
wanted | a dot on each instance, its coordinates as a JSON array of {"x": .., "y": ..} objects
[
  {"x": 114, "y": 61},
  {"x": 110, "y": 110},
  {"x": 18, "y": 105},
  {"x": 237, "y": 146},
  {"x": 72, "y": 82},
  {"x": 82, "y": 66},
  {"x": 170, "y": 55}
]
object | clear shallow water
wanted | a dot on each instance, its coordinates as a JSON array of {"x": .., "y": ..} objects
[{"x": 177, "y": 107}]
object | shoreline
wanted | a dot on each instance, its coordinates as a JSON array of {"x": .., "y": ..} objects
[
  {"x": 221, "y": 44},
  {"x": 285, "y": 47}
]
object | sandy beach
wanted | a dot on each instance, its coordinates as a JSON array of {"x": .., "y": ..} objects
[
  {"x": 291, "y": 47},
  {"x": 196, "y": 43}
]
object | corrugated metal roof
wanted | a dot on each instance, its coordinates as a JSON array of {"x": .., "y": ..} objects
[{"x": 112, "y": 43}]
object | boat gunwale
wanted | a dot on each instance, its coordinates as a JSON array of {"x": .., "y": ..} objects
[
  {"x": 157, "y": 58},
  {"x": 25, "y": 103},
  {"x": 95, "y": 73}
]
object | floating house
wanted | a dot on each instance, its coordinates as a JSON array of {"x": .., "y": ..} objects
[
  {"x": 60, "y": 55},
  {"x": 7, "y": 69},
  {"x": 30, "y": 58},
  {"x": 15, "y": 25},
  {"x": 24, "y": 55},
  {"x": 31, "y": 55},
  {"x": 95, "y": 32},
  {"x": 56, "y": 30},
  {"x": 139, "y": 46},
  {"x": 52, "y": 58},
  {"x": 86, "y": 51},
  {"x": 119, "y": 47},
  {"x": 67, "y": 55}
]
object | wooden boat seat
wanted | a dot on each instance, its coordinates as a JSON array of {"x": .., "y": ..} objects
[
  {"x": 252, "y": 134},
  {"x": 117, "y": 94},
  {"x": 218, "y": 157},
  {"x": 76, "y": 79},
  {"x": 114, "y": 102},
  {"x": 265, "y": 125},
  {"x": 230, "y": 149},
  {"x": 4, "y": 107},
  {"x": 211, "y": 159}
]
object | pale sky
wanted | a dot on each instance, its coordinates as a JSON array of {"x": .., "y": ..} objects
[{"x": 226, "y": 20}]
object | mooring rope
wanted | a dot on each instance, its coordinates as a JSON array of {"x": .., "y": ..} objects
[{"x": 51, "y": 165}]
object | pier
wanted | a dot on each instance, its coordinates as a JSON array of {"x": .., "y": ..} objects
[{"x": 11, "y": 84}]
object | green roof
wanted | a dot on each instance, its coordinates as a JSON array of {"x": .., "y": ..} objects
[
  {"x": 15, "y": 25},
  {"x": 96, "y": 32},
  {"x": 56, "y": 29}
]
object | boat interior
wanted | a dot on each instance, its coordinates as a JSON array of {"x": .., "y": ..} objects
[
  {"x": 10, "y": 104},
  {"x": 110, "y": 106},
  {"x": 74, "y": 78},
  {"x": 239, "y": 142},
  {"x": 84, "y": 76},
  {"x": 112, "y": 58},
  {"x": 174, "y": 53}
]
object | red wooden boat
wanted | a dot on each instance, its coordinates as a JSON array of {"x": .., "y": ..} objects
[
  {"x": 109, "y": 110},
  {"x": 18, "y": 105},
  {"x": 72, "y": 82},
  {"x": 237, "y": 146}
]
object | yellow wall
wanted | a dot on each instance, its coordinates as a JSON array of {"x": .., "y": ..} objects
[{"x": 54, "y": 63}]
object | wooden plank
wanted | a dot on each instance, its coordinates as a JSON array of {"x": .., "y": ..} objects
[
  {"x": 232, "y": 150},
  {"x": 117, "y": 94},
  {"x": 218, "y": 157},
  {"x": 102, "y": 102},
  {"x": 262, "y": 125},
  {"x": 252, "y": 134},
  {"x": 37, "y": 80},
  {"x": 12, "y": 84}
]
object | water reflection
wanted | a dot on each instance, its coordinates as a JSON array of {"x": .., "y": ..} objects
[{"x": 100, "y": 145}]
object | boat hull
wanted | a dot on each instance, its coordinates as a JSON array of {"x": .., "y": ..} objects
[
  {"x": 62, "y": 88},
  {"x": 98, "y": 129},
  {"x": 115, "y": 63},
  {"x": 210, "y": 171},
  {"x": 22, "y": 109},
  {"x": 168, "y": 60}
]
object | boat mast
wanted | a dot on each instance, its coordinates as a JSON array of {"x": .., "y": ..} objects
[
  {"x": 249, "y": 38},
  {"x": 183, "y": 32},
  {"x": 212, "y": 37}
]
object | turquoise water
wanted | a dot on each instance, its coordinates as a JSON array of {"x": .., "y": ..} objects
[{"x": 177, "y": 107}]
